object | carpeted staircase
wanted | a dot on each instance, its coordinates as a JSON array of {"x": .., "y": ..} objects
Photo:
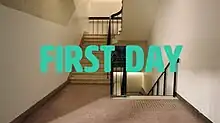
[{"x": 100, "y": 77}]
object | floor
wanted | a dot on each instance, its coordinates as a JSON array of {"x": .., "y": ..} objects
[
  {"x": 68, "y": 100},
  {"x": 91, "y": 104}
]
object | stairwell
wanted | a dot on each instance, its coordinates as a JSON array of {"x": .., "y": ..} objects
[{"x": 99, "y": 77}]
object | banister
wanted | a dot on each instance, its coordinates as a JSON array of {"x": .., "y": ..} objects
[
  {"x": 158, "y": 80},
  {"x": 109, "y": 37},
  {"x": 116, "y": 14},
  {"x": 104, "y": 18},
  {"x": 109, "y": 30}
]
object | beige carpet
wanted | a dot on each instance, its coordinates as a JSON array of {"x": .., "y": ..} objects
[
  {"x": 77, "y": 105},
  {"x": 70, "y": 99}
]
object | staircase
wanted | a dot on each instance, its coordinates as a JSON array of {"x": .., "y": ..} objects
[{"x": 99, "y": 77}]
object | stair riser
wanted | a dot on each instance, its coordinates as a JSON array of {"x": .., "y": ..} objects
[
  {"x": 88, "y": 79},
  {"x": 88, "y": 62},
  {"x": 84, "y": 77},
  {"x": 90, "y": 82},
  {"x": 86, "y": 44},
  {"x": 95, "y": 36},
  {"x": 88, "y": 74},
  {"x": 99, "y": 56},
  {"x": 96, "y": 40},
  {"x": 101, "y": 67}
]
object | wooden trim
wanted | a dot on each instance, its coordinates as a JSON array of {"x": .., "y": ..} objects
[
  {"x": 21, "y": 118},
  {"x": 104, "y": 18},
  {"x": 193, "y": 109}
]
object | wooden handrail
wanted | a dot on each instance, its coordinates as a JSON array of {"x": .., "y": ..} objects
[{"x": 104, "y": 18}]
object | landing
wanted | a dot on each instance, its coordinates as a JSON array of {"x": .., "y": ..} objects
[{"x": 91, "y": 104}]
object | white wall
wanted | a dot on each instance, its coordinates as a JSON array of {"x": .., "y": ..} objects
[
  {"x": 195, "y": 25},
  {"x": 138, "y": 18},
  {"x": 104, "y": 7},
  {"x": 21, "y": 35}
]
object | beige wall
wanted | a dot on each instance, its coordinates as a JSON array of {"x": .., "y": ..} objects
[
  {"x": 138, "y": 17},
  {"x": 58, "y": 11},
  {"x": 134, "y": 81},
  {"x": 104, "y": 7},
  {"x": 195, "y": 25},
  {"x": 21, "y": 35},
  {"x": 147, "y": 82}
]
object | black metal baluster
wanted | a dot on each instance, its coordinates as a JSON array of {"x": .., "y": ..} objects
[
  {"x": 175, "y": 79},
  {"x": 117, "y": 27},
  {"x": 111, "y": 79},
  {"x": 120, "y": 81},
  {"x": 109, "y": 33},
  {"x": 124, "y": 82},
  {"x": 165, "y": 82},
  {"x": 116, "y": 82}
]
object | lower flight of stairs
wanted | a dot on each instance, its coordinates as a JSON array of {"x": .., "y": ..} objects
[{"x": 99, "y": 77}]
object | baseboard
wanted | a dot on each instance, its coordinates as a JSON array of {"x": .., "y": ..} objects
[
  {"x": 21, "y": 118},
  {"x": 142, "y": 92},
  {"x": 76, "y": 83},
  {"x": 193, "y": 109}
]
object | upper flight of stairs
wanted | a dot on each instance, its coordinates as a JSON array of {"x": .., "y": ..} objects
[{"x": 99, "y": 77}]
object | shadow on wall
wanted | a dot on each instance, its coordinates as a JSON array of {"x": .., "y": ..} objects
[{"x": 57, "y": 11}]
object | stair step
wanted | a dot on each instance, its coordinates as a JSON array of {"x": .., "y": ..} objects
[
  {"x": 85, "y": 61},
  {"x": 100, "y": 36},
  {"x": 99, "y": 70},
  {"x": 95, "y": 36},
  {"x": 88, "y": 77},
  {"x": 94, "y": 43},
  {"x": 90, "y": 82},
  {"x": 100, "y": 57},
  {"x": 90, "y": 74},
  {"x": 95, "y": 39},
  {"x": 96, "y": 53},
  {"x": 101, "y": 66},
  {"x": 84, "y": 46}
]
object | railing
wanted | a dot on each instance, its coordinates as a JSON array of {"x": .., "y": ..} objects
[
  {"x": 111, "y": 27},
  {"x": 118, "y": 79},
  {"x": 100, "y": 25},
  {"x": 156, "y": 90},
  {"x": 118, "y": 74}
]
